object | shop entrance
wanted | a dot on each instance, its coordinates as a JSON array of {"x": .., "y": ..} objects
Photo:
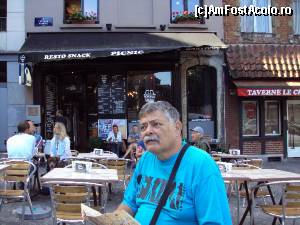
[{"x": 293, "y": 131}]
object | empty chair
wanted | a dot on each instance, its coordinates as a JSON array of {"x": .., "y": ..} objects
[
  {"x": 17, "y": 175},
  {"x": 66, "y": 199},
  {"x": 289, "y": 205}
]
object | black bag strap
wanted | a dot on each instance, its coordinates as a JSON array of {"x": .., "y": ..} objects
[{"x": 168, "y": 187}]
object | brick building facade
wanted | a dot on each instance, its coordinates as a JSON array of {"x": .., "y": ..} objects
[{"x": 263, "y": 68}]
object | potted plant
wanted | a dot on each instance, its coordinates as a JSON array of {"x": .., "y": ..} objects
[
  {"x": 185, "y": 18},
  {"x": 78, "y": 17}
]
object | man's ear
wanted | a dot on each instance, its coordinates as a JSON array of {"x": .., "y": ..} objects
[{"x": 178, "y": 125}]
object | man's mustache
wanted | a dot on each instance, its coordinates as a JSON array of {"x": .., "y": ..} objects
[{"x": 151, "y": 138}]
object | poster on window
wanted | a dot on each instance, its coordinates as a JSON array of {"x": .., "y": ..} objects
[
  {"x": 106, "y": 125},
  {"x": 250, "y": 118}
]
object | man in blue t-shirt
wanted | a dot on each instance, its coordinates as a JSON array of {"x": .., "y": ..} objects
[{"x": 198, "y": 195}]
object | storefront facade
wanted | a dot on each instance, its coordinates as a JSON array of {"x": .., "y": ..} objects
[
  {"x": 102, "y": 69},
  {"x": 98, "y": 88},
  {"x": 264, "y": 87}
]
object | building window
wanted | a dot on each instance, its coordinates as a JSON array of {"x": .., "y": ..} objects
[
  {"x": 81, "y": 11},
  {"x": 257, "y": 24},
  {"x": 250, "y": 118},
  {"x": 3, "y": 14},
  {"x": 297, "y": 16},
  {"x": 3, "y": 72},
  {"x": 201, "y": 99},
  {"x": 147, "y": 85},
  {"x": 183, "y": 11},
  {"x": 272, "y": 118}
]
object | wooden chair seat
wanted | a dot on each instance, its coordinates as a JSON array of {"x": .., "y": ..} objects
[
  {"x": 63, "y": 215},
  {"x": 277, "y": 210},
  {"x": 11, "y": 193}
]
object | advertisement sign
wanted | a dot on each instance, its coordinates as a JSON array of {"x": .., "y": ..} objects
[
  {"x": 43, "y": 21},
  {"x": 33, "y": 113},
  {"x": 105, "y": 126},
  {"x": 245, "y": 92}
]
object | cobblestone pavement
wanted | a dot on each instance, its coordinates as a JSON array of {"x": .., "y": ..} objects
[{"x": 8, "y": 215}]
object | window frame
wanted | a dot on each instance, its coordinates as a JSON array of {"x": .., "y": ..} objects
[
  {"x": 295, "y": 17},
  {"x": 254, "y": 25},
  {"x": 4, "y": 64},
  {"x": 3, "y": 19},
  {"x": 257, "y": 119},
  {"x": 185, "y": 8},
  {"x": 65, "y": 19},
  {"x": 279, "y": 118}
]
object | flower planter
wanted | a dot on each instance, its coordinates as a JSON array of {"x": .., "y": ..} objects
[
  {"x": 188, "y": 22},
  {"x": 81, "y": 21}
]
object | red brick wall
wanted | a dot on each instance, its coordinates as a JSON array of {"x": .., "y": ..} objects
[
  {"x": 282, "y": 27},
  {"x": 274, "y": 147},
  {"x": 252, "y": 148},
  {"x": 232, "y": 119}
]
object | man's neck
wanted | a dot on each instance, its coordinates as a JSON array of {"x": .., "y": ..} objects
[{"x": 168, "y": 154}]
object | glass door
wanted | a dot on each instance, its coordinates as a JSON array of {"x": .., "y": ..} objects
[{"x": 293, "y": 132}]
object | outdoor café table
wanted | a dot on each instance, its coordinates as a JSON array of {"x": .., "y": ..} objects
[
  {"x": 235, "y": 157},
  {"x": 259, "y": 176},
  {"x": 68, "y": 174},
  {"x": 91, "y": 155},
  {"x": 3, "y": 167}
]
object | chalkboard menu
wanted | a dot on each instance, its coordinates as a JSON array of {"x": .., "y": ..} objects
[
  {"x": 111, "y": 94},
  {"x": 50, "y": 105}
]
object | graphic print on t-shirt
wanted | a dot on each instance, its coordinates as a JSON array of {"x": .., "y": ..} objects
[{"x": 151, "y": 189}]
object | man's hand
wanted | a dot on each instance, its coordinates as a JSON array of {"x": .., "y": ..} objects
[{"x": 125, "y": 208}]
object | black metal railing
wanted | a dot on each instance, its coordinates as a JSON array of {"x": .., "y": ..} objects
[{"x": 2, "y": 24}]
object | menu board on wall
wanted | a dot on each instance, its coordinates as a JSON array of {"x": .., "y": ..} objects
[
  {"x": 111, "y": 94},
  {"x": 50, "y": 105}
]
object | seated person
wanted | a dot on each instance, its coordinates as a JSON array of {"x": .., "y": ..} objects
[
  {"x": 115, "y": 139},
  {"x": 60, "y": 143},
  {"x": 22, "y": 144},
  {"x": 197, "y": 138},
  {"x": 134, "y": 135}
]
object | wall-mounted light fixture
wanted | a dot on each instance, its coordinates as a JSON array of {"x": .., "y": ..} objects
[
  {"x": 162, "y": 27},
  {"x": 108, "y": 26}
]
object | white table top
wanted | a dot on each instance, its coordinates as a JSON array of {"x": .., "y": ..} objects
[
  {"x": 3, "y": 167},
  {"x": 67, "y": 174},
  {"x": 229, "y": 156},
  {"x": 260, "y": 175},
  {"x": 91, "y": 155}
]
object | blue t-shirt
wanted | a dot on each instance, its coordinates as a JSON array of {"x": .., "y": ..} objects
[{"x": 199, "y": 195}]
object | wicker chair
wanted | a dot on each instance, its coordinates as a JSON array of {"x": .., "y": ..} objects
[
  {"x": 66, "y": 199},
  {"x": 289, "y": 205},
  {"x": 17, "y": 174}
]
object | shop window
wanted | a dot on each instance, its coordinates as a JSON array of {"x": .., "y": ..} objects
[
  {"x": 297, "y": 17},
  {"x": 3, "y": 72},
  {"x": 147, "y": 86},
  {"x": 250, "y": 118},
  {"x": 257, "y": 24},
  {"x": 81, "y": 11},
  {"x": 3, "y": 14},
  {"x": 183, "y": 11},
  {"x": 272, "y": 118},
  {"x": 201, "y": 93}
]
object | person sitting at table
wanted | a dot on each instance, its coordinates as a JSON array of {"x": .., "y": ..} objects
[
  {"x": 134, "y": 135},
  {"x": 115, "y": 139},
  {"x": 22, "y": 144},
  {"x": 198, "y": 140},
  {"x": 60, "y": 143}
]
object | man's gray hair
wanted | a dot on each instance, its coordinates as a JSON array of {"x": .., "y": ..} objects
[{"x": 165, "y": 107}]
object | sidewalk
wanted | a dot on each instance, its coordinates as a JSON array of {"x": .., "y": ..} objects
[{"x": 8, "y": 217}]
